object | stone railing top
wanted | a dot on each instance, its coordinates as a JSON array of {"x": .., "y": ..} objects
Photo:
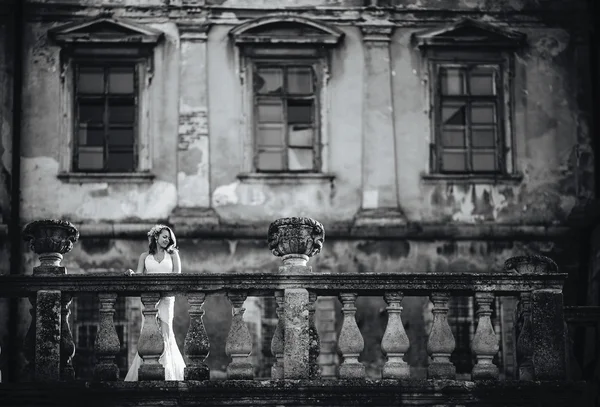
[{"x": 255, "y": 283}]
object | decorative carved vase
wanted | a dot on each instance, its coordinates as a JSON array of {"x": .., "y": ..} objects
[
  {"x": 50, "y": 239},
  {"x": 295, "y": 240},
  {"x": 532, "y": 264}
]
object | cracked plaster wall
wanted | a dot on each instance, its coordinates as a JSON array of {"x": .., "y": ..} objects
[{"x": 43, "y": 194}]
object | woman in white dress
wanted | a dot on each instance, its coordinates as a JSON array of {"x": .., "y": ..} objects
[{"x": 161, "y": 257}]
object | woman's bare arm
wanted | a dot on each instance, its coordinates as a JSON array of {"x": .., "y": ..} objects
[
  {"x": 176, "y": 262},
  {"x": 141, "y": 266}
]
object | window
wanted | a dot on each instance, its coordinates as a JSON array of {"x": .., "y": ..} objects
[
  {"x": 470, "y": 72},
  {"x": 106, "y": 111},
  {"x": 285, "y": 116},
  {"x": 106, "y": 75},
  {"x": 284, "y": 62},
  {"x": 468, "y": 119}
]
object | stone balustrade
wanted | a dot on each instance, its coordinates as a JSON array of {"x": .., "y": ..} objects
[{"x": 539, "y": 321}]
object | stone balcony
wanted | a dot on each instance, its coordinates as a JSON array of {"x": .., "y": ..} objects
[{"x": 540, "y": 333}]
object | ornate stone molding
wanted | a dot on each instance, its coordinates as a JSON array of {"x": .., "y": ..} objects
[
  {"x": 377, "y": 33},
  {"x": 193, "y": 31}
]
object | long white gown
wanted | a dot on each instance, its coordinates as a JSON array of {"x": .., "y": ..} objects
[{"x": 171, "y": 358}]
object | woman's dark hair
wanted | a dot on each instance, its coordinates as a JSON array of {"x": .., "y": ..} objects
[{"x": 153, "y": 236}]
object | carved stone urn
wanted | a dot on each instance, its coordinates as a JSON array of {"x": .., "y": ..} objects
[
  {"x": 295, "y": 240},
  {"x": 531, "y": 264},
  {"x": 50, "y": 239}
]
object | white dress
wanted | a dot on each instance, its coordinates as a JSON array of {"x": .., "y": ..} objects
[{"x": 171, "y": 358}]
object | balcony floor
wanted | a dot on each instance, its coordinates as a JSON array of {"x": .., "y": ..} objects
[{"x": 293, "y": 393}]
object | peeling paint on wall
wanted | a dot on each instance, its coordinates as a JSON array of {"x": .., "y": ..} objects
[{"x": 45, "y": 196}]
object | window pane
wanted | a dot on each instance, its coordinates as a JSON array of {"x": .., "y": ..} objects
[
  {"x": 121, "y": 114},
  {"x": 300, "y": 159},
  {"x": 482, "y": 114},
  {"x": 300, "y": 136},
  {"x": 454, "y": 161},
  {"x": 483, "y": 138},
  {"x": 270, "y": 111},
  {"x": 453, "y": 138},
  {"x": 484, "y": 161},
  {"x": 481, "y": 81},
  {"x": 121, "y": 137},
  {"x": 120, "y": 161},
  {"x": 452, "y": 81},
  {"x": 453, "y": 114},
  {"x": 299, "y": 80},
  {"x": 270, "y": 160},
  {"x": 90, "y": 113},
  {"x": 121, "y": 80},
  {"x": 299, "y": 112},
  {"x": 268, "y": 80},
  {"x": 91, "y": 80},
  {"x": 91, "y": 137},
  {"x": 270, "y": 136},
  {"x": 90, "y": 158}
]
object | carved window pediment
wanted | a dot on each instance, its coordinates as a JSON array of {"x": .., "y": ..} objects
[
  {"x": 285, "y": 30},
  {"x": 105, "y": 31},
  {"x": 469, "y": 33}
]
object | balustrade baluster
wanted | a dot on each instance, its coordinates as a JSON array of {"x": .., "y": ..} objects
[
  {"x": 107, "y": 344},
  {"x": 197, "y": 345},
  {"x": 441, "y": 342},
  {"x": 525, "y": 340},
  {"x": 395, "y": 342},
  {"x": 351, "y": 342},
  {"x": 29, "y": 343},
  {"x": 277, "y": 342},
  {"x": 150, "y": 344},
  {"x": 315, "y": 343},
  {"x": 485, "y": 343},
  {"x": 67, "y": 346},
  {"x": 239, "y": 341}
]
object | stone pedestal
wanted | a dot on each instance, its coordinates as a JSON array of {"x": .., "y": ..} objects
[
  {"x": 47, "y": 343},
  {"x": 297, "y": 339}
]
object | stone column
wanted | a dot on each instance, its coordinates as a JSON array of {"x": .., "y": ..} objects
[
  {"x": 47, "y": 341},
  {"x": 193, "y": 152},
  {"x": 351, "y": 342},
  {"x": 441, "y": 341},
  {"x": 315, "y": 343},
  {"x": 485, "y": 343},
  {"x": 395, "y": 342},
  {"x": 197, "y": 345},
  {"x": 50, "y": 239},
  {"x": 524, "y": 338},
  {"x": 67, "y": 346},
  {"x": 295, "y": 240},
  {"x": 277, "y": 342},
  {"x": 379, "y": 185},
  {"x": 107, "y": 344},
  {"x": 239, "y": 340},
  {"x": 541, "y": 345},
  {"x": 150, "y": 344}
]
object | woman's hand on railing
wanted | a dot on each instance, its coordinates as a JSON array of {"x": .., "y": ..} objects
[{"x": 129, "y": 272}]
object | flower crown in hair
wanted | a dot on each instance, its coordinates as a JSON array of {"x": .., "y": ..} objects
[{"x": 156, "y": 230}]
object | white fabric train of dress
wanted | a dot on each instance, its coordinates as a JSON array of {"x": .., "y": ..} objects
[{"x": 171, "y": 359}]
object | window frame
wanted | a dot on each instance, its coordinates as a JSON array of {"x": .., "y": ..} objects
[
  {"x": 253, "y": 65},
  {"x": 503, "y": 60},
  {"x": 137, "y": 64},
  {"x": 125, "y": 41},
  {"x": 501, "y": 147},
  {"x": 267, "y": 37}
]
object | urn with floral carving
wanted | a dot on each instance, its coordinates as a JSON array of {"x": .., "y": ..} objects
[
  {"x": 295, "y": 239},
  {"x": 50, "y": 239}
]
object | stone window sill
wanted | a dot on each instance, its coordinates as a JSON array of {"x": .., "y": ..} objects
[
  {"x": 120, "y": 177},
  {"x": 285, "y": 177},
  {"x": 474, "y": 178}
]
